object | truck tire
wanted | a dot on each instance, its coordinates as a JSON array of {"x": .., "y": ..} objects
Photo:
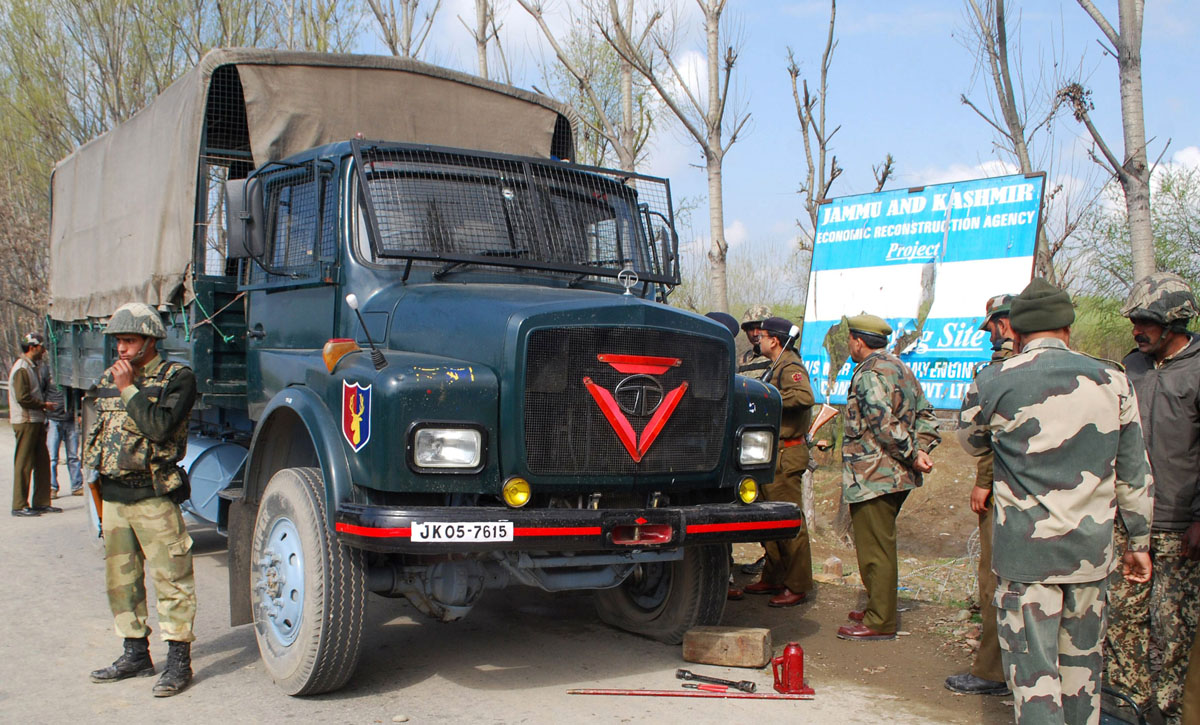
[
  {"x": 308, "y": 592},
  {"x": 663, "y": 601}
]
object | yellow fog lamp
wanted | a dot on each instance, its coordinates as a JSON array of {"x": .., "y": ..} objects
[
  {"x": 748, "y": 490},
  {"x": 336, "y": 349},
  {"x": 516, "y": 492}
]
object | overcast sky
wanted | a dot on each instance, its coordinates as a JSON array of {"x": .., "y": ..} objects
[{"x": 897, "y": 75}]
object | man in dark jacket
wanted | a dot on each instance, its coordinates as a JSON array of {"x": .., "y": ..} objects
[{"x": 1147, "y": 654}]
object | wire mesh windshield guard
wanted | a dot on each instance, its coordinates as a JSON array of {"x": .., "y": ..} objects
[{"x": 464, "y": 208}]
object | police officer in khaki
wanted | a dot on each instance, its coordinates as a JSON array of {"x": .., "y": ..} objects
[
  {"x": 788, "y": 571},
  {"x": 140, "y": 435}
]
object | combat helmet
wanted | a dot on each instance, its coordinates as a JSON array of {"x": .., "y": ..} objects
[
  {"x": 1162, "y": 298},
  {"x": 755, "y": 316},
  {"x": 136, "y": 318}
]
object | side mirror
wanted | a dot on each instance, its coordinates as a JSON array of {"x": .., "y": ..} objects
[{"x": 244, "y": 233}]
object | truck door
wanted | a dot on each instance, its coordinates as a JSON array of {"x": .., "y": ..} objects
[{"x": 292, "y": 289}]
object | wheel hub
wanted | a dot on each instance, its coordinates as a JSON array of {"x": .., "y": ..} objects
[{"x": 279, "y": 581}]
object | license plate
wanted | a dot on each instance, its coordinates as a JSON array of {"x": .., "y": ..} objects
[{"x": 466, "y": 531}]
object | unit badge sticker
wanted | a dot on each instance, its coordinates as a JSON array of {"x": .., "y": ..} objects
[{"x": 356, "y": 414}]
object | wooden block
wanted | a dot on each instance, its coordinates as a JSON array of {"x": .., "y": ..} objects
[{"x": 728, "y": 646}]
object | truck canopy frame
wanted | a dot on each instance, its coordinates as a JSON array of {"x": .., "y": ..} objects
[{"x": 135, "y": 213}]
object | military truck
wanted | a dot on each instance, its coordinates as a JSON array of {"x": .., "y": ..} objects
[{"x": 429, "y": 365}]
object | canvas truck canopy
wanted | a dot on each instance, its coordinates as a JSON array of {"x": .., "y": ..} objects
[{"x": 128, "y": 209}]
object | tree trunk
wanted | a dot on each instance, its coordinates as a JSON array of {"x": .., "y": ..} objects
[
  {"x": 1136, "y": 180},
  {"x": 718, "y": 248},
  {"x": 713, "y": 158},
  {"x": 481, "y": 35}
]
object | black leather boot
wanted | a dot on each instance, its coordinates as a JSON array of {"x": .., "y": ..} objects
[
  {"x": 134, "y": 662},
  {"x": 179, "y": 670}
]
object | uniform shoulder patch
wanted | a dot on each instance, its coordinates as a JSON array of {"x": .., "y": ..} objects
[
  {"x": 1105, "y": 360},
  {"x": 796, "y": 377}
]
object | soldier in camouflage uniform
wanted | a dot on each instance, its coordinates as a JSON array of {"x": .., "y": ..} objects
[
  {"x": 987, "y": 674},
  {"x": 140, "y": 435},
  {"x": 1152, "y": 625},
  {"x": 752, "y": 363},
  {"x": 1068, "y": 454},
  {"x": 788, "y": 571},
  {"x": 889, "y": 431}
]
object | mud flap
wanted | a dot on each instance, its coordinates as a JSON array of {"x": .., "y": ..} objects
[{"x": 241, "y": 531}]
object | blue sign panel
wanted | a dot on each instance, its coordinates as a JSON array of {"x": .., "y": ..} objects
[{"x": 926, "y": 260}]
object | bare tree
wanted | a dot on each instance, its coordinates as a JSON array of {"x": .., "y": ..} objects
[
  {"x": 402, "y": 26},
  {"x": 703, "y": 115},
  {"x": 1009, "y": 110},
  {"x": 616, "y": 112},
  {"x": 485, "y": 32},
  {"x": 1133, "y": 172},
  {"x": 811, "y": 112}
]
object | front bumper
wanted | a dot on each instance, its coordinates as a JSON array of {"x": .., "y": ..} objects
[{"x": 388, "y": 529}]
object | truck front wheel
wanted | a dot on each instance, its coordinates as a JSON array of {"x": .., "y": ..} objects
[
  {"x": 663, "y": 601},
  {"x": 308, "y": 592}
]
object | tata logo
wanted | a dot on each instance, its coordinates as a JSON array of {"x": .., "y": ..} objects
[{"x": 639, "y": 395}]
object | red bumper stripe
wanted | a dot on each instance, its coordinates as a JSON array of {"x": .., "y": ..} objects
[
  {"x": 741, "y": 526},
  {"x": 560, "y": 531},
  {"x": 380, "y": 533},
  {"x": 373, "y": 532}
]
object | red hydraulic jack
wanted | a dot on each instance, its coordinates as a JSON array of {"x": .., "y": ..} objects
[
  {"x": 789, "y": 683},
  {"x": 789, "y": 671}
]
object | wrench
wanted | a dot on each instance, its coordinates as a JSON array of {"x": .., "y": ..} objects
[{"x": 744, "y": 685}]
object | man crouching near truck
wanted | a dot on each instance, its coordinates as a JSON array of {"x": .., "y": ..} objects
[{"x": 142, "y": 404}]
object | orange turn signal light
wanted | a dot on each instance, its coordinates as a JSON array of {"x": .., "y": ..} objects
[{"x": 336, "y": 349}]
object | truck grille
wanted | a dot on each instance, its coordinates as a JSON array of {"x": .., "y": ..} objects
[{"x": 566, "y": 431}]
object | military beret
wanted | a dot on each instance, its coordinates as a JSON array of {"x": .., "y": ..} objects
[
  {"x": 725, "y": 319},
  {"x": 998, "y": 305},
  {"x": 777, "y": 326},
  {"x": 1041, "y": 306},
  {"x": 869, "y": 325}
]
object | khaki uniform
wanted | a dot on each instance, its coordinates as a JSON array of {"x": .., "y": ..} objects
[
  {"x": 789, "y": 562},
  {"x": 888, "y": 420},
  {"x": 987, "y": 658},
  {"x": 31, "y": 459},
  {"x": 138, "y": 439}
]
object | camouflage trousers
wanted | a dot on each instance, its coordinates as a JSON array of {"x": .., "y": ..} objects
[
  {"x": 1050, "y": 641},
  {"x": 149, "y": 533},
  {"x": 1151, "y": 626}
]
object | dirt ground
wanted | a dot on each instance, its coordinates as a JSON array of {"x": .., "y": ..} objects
[{"x": 938, "y": 545}]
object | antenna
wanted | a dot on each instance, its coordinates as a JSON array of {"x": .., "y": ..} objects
[
  {"x": 792, "y": 335},
  {"x": 376, "y": 357}
]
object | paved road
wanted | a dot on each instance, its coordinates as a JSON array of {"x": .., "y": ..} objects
[{"x": 510, "y": 661}]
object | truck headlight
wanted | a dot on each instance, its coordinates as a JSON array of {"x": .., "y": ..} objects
[
  {"x": 755, "y": 447},
  {"x": 446, "y": 448}
]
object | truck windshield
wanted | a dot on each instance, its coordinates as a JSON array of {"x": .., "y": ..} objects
[{"x": 462, "y": 208}]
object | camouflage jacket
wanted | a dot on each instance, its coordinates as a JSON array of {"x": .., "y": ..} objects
[
  {"x": 140, "y": 433},
  {"x": 790, "y": 378},
  {"x": 983, "y": 467},
  {"x": 1068, "y": 453},
  {"x": 752, "y": 365},
  {"x": 887, "y": 421}
]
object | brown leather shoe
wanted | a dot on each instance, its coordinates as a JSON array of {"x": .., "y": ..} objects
[
  {"x": 856, "y": 615},
  {"x": 735, "y": 594},
  {"x": 762, "y": 587},
  {"x": 861, "y": 632},
  {"x": 787, "y": 598}
]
